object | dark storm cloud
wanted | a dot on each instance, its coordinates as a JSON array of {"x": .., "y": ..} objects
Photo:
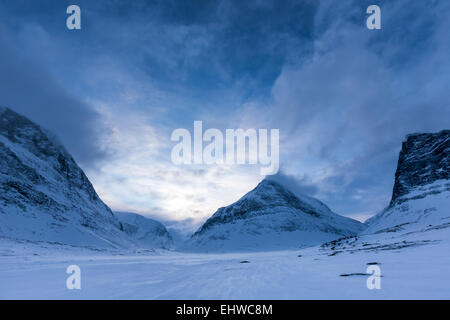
[
  {"x": 208, "y": 46},
  {"x": 211, "y": 54},
  {"x": 32, "y": 91}
]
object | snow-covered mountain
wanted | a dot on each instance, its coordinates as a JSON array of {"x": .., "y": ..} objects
[
  {"x": 421, "y": 194},
  {"x": 45, "y": 196},
  {"x": 271, "y": 217},
  {"x": 144, "y": 231}
]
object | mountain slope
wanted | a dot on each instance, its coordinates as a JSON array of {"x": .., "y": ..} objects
[
  {"x": 271, "y": 217},
  {"x": 421, "y": 193},
  {"x": 45, "y": 196},
  {"x": 144, "y": 231}
]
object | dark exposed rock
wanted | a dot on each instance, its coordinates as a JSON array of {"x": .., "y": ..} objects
[{"x": 424, "y": 158}]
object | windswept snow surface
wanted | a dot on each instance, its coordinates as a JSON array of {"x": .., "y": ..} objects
[{"x": 414, "y": 265}]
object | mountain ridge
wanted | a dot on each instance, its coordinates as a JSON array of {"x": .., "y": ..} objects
[
  {"x": 271, "y": 209},
  {"x": 45, "y": 196}
]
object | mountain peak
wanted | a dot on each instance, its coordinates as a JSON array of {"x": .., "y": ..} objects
[
  {"x": 271, "y": 216},
  {"x": 424, "y": 159},
  {"x": 267, "y": 195}
]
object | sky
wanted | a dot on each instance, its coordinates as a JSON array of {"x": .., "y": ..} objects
[{"x": 342, "y": 96}]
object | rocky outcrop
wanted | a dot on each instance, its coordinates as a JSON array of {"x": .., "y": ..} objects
[
  {"x": 424, "y": 158},
  {"x": 421, "y": 194}
]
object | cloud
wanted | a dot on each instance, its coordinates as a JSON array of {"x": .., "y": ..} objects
[
  {"x": 28, "y": 88},
  {"x": 344, "y": 111},
  {"x": 298, "y": 185}
]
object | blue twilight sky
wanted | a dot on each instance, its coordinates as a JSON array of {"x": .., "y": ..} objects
[{"x": 342, "y": 96}]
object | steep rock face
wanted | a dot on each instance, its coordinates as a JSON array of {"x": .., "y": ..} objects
[
  {"x": 44, "y": 195},
  {"x": 144, "y": 231},
  {"x": 421, "y": 194},
  {"x": 424, "y": 159},
  {"x": 271, "y": 217}
]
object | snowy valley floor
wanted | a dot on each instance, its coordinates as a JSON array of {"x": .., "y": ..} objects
[{"x": 413, "y": 266}]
